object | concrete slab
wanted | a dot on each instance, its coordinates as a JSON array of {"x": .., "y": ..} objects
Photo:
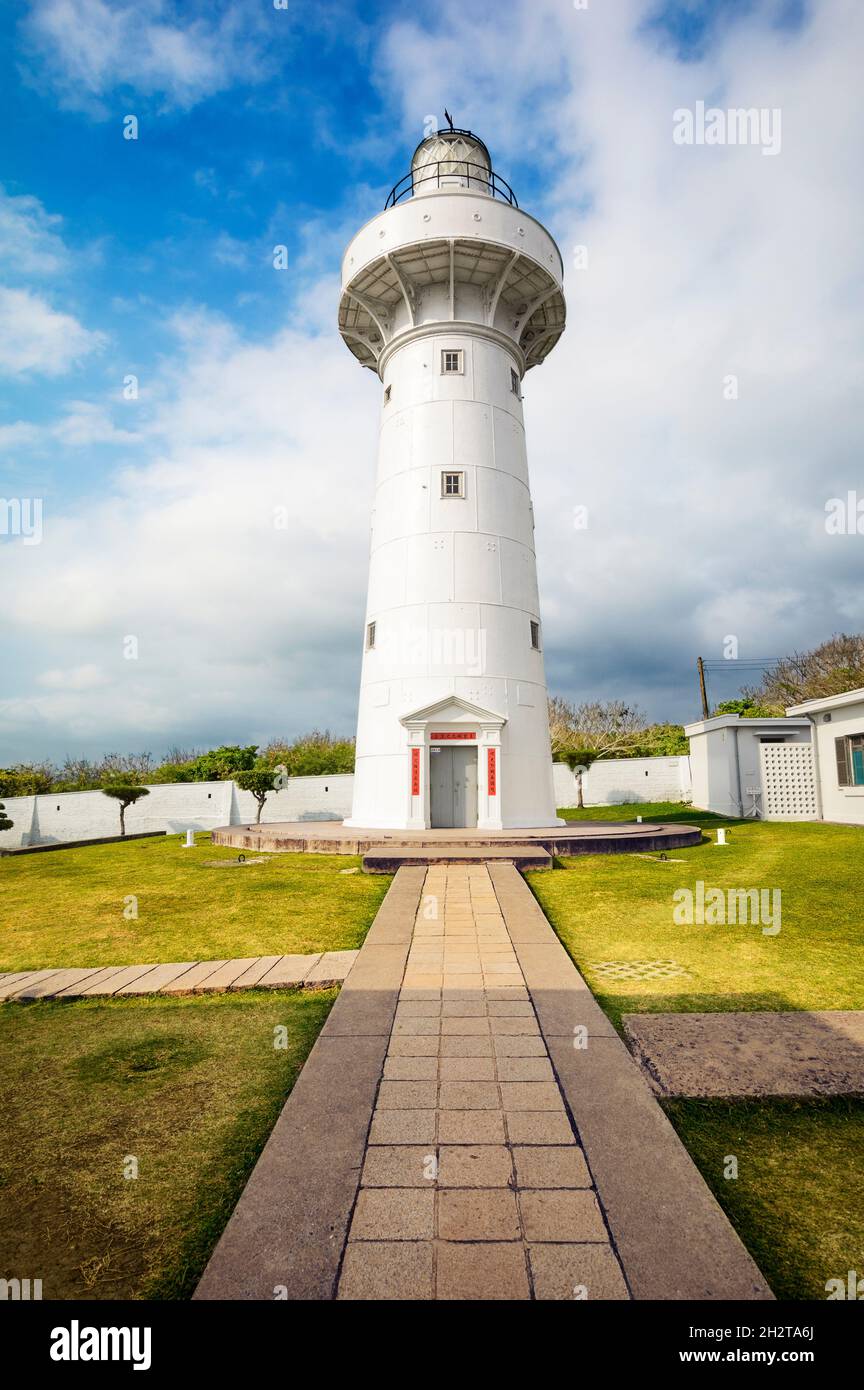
[
  {"x": 155, "y": 979},
  {"x": 331, "y": 969},
  {"x": 750, "y": 1054},
  {"x": 577, "y": 837},
  {"x": 18, "y": 979},
  {"x": 192, "y": 981},
  {"x": 289, "y": 972},
  {"x": 111, "y": 984},
  {"x": 673, "y": 1239},
  {"x": 225, "y": 975},
  {"x": 107, "y": 972},
  {"x": 288, "y": 1231},
  {"x": 252, "y": 976},
  {"x": 55, "y": 981},
  {"x": 387, "y": 861}
]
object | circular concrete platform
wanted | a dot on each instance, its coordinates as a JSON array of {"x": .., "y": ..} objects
[{"x": 580, "y": 837}]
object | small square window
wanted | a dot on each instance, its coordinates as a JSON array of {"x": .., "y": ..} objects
[
  {"x": 451, "y": 360},
  {"x": 370, "y": 636},
  {"x": 514, "y": 381},
  {"x": 535, "y": 635},
  {"x": 452, "y": 484}
]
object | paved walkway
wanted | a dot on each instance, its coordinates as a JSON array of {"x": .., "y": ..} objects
[
  {"x": 473, "y": 1184},
  {"x": 805, "y": 1053},
  {"x": 469, "y": 1126},
  {"x": 181, "y": 977}
]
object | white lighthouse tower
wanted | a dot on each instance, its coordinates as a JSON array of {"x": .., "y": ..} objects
[{"x": 451, "y": 294}]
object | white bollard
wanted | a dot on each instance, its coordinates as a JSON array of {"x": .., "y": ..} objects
[
  {"x": 190, "y": 840},
  {"x": 721, "y": 836},
  {"x": 638, "y": 820}
]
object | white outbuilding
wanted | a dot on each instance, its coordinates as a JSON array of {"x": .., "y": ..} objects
[
  {"x": 837, "y": 722},
  {"x": 808, "y": 766}
]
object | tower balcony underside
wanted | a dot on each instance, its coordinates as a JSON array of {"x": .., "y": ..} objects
[{"x": 458, "y": 280}]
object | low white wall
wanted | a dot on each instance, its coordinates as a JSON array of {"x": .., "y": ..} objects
[
  {"x": 173, "y": 807},
  {"x": 617, "y": 781},
  {"x": 178, "y": 806}
]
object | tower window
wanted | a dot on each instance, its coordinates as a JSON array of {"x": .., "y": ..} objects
[
  {"x": 452, "y": 484},
  {"x": 535, "y": 635},
  {"x": 370, "y": 636},
  {"x": 387, "y": 390},
  {"x": 514, "y": 381},
  {"x": 451, "y": 360}
]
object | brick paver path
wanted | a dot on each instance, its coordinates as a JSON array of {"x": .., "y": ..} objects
[{"x": 473, "y": 1184}]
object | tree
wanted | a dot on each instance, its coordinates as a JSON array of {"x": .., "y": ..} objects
[
  {"x": 259, "y": 780},
  {"x": 5, "y": 822},
  {"x": 829, "y": 669},
  {"x": 221, "y": 764},
  {"x": 127, "y": 794},
  {"x": 660, "y": 741},
  {"x": 579, "y": 760},
  {"x": 748, "y": 708},
  {"x": 607, "y": 728},
  {"x": 312, "y": 755},
  {"x": 25, "y": 780}
]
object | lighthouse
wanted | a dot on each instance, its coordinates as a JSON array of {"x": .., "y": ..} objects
[{"x": 451, "y": 295}]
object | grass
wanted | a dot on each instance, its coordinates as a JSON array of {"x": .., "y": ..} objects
[
  {"x": 188, "y": 1087},
  {"x": 619, "y": 908},
  {"x": 797, "y": 1199},
  {"x": 70, "y": 908}
]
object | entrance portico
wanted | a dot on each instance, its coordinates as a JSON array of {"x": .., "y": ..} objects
[{"x": 472, "y": 774}]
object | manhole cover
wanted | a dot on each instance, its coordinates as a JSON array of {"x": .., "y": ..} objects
[{"x": 638, "y": 969}]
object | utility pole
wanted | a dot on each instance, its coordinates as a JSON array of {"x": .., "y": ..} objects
[{"x": 700, "y": 667}]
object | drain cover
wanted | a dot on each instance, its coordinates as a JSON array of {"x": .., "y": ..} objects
[{"x": 638, "y": 969}]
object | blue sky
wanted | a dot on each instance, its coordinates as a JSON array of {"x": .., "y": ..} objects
[{"x": 261, "y": 126}]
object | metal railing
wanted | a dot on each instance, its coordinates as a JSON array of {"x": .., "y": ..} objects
[{"x": 443, "y": 172}]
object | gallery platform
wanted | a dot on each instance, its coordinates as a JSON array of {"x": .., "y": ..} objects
[{"x": 385, "y": 850}]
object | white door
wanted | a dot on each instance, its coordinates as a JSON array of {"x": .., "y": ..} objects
[{"x": 453, "y": 788}]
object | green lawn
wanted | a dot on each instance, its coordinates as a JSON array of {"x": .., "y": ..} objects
[
  {"x": 797, "y": 1199},
  {"x": 188, "y": 1087},
  {"x": 619, "y": 908},
  {"x": 66, "y": 908}
]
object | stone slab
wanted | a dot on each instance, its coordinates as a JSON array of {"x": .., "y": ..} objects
[
  {"x": 55, "y": 981},
  {"x": 289, "y": 1228},
  {"x": 21, "y": 979},
  {"x": 806, "y": 1053},
  {"x": 673, "y": 1239},
  {"x": 252, "y": 976},
  {"x": 155, "y": 979},
  {"x": 331, "y": 969},
  {"x": 289, "y": 971},
  {"x": 110, "y": 983}
]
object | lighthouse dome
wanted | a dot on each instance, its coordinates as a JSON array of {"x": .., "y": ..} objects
[{"x": 451, "y": 159}]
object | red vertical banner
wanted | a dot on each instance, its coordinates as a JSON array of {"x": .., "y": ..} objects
[
  {"x": 415, "y": 771},
  {"x": 490, "y": 771}
]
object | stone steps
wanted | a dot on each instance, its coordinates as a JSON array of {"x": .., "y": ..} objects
[{"x": 387, "y": 861}]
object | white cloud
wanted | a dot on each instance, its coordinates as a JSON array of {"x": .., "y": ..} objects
[
  {"x": 74, "y": 678},
  {"x": 706, "y": 515},
  {"x": 35, "y": 338},
  {"x": 87, "y": 48},
  {"x": 30, "y": 243}
]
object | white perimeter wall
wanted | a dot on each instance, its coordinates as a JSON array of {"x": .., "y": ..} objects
[
  {"x": 616, "y": 781},
  {"x": 178, "y": 806},
  {"x": 173, "y": 807}
]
